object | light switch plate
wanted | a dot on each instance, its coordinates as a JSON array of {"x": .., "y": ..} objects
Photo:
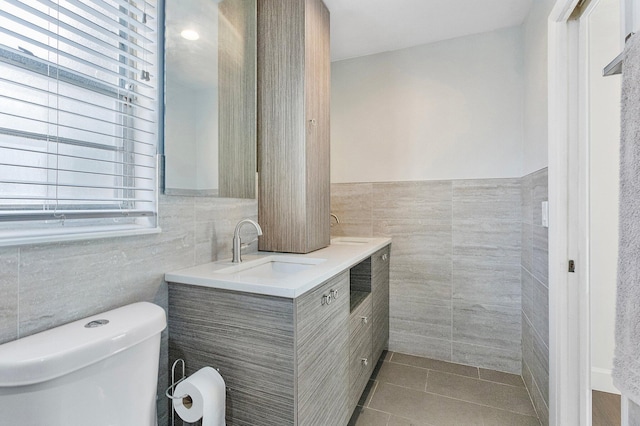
[{"x": 545, "y": 214}]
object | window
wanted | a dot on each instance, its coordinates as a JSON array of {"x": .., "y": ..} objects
[{"x": 78, "y": 118}]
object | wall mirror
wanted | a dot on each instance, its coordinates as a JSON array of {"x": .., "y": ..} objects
[{"x": 210, "y": 98}]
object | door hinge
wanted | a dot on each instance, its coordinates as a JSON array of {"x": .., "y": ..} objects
[{"x": 572, "y": 266}]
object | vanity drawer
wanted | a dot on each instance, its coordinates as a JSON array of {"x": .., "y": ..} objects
[
  {"x": 380, "y": 261},
  {"x": 360, "y": 368},
  {"x": 359, "y": 322},
  {"x": 360, "y": 350}
]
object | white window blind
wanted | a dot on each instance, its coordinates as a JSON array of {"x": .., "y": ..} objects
[{"x": 78, "y": 117}]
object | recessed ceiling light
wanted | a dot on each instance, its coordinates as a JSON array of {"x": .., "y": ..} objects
[{"x": 190, "y": 34}]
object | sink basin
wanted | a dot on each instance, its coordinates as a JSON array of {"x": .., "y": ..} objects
[
  {"x": 350, "y": 240},
  {"x": 271, "y": 267}
]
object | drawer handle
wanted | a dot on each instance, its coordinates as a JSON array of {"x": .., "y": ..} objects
[
  {"x": 364, "y": 362},
  {"x": 385, "y": 257},
  {"x": 365, "y": 320},
  {"x": 327, "y": 299}
]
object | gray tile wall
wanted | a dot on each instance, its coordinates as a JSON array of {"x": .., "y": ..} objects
[
  {"x": 634, "y": 414},
  {"x": 455, "y": 264},
  {"x": 46, "y": 285},
  {"x": 535, "y": 292}
]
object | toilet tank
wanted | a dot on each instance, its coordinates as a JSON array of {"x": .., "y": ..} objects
[{"x": 99, "y": 371}]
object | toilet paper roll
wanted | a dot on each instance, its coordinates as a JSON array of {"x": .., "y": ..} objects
[{"x": 206, "y": 391}]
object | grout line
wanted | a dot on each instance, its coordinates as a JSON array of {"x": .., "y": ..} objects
[
  {"x": 501, "y": 383},
  {"x": 380, "y": 411},
  {"x": 434, "y": 369},
  {"x": 373, "y": 391},
  {"x": 533, "y": 379},
  {"x": 482, "y": 405},
  {"x": 535, "y": 383},
  {"x": 535, "y": 330},
  {"x": 466, "y": 401},
  {"x": 421, "y": 423}
]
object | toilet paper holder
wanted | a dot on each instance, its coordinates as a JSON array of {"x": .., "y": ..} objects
[
  {"x": 174, "y": 383},
  {"x": 170, "y": 393}
]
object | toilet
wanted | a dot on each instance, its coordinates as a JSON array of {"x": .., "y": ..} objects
[{"x": 99, "y": 371}]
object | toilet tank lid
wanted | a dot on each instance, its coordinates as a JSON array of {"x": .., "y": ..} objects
[{"x": 61, "y": 350}]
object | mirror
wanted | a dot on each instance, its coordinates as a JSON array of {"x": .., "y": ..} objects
[{"x": 210, "y": 98}]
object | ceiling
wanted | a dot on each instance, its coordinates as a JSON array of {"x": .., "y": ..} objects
[{"x": 365, "y": 27}]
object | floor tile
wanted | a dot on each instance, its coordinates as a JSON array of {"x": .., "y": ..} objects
[
  {"x": 606, "y": 409},
  {"x": 423, "y": 407},
  {"x": 500, "y": 377},
  {"x": 368, "y": 417},
  {"x": 432, "y": 364},
  {"x": 399, "y": 421},
  {"x": 496, "y": 417},
  {"x": 403, "y": 375},
  {"x": 491, "y": 394},
  {"x": 367, "y": 393},
  {"x": 454, "y": 394}
]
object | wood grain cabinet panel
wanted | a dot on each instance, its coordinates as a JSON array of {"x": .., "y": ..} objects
[
  {"x": 287, "y": 361},
  {"x": 249, "y": 338},
  {"x": 237, "y": 137},
  {"x": 380, "y": 300},
  {"x": 361, "y": 362},
  {"x": 322, "y": 354},
  {"x": 293, "y": 125}
]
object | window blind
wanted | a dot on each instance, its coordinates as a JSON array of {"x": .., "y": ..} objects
[{"x": 78, "y": 116}]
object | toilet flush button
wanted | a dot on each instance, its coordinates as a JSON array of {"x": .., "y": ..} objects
[{"x": 96, "y": 323}]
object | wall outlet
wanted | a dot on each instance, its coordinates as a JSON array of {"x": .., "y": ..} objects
[{"x": 545, "y": 214}]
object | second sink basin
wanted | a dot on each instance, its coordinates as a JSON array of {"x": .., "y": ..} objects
[
  {"x": 271, "y": 267},
  {"x": 350, "y": 240}
]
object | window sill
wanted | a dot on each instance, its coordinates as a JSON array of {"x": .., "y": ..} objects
[{"x": 74, "y": 234}]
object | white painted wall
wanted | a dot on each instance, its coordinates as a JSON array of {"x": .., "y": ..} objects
[
  {"x": 604, "y": 144},
  {"x": 534, "y": 28},
  {"x": 447, "y": 110}
]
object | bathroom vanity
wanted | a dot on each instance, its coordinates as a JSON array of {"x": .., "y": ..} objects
[{"x": 296, "y": 337}]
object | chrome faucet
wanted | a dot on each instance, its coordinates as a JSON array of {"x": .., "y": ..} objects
[{"x": 237, "y": 242}]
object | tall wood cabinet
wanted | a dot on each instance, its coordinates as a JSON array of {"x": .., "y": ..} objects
[{"x": 293, "y": 125}]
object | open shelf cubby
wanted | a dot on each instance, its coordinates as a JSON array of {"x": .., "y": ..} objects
[{"x": 360, "y": 283}]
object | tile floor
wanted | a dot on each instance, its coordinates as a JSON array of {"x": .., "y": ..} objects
[
  {"x": 407, "y": 390},
  {"x": 606, "y": 409}
]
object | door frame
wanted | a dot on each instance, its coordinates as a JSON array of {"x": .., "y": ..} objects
[
  {"x": 569, "y": 307},
  {"x": 565, "y": 340}
]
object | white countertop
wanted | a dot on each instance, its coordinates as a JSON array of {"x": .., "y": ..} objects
[{"x": 342, "y": 254}]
